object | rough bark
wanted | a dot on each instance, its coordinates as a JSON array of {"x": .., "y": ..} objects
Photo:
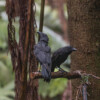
[
  {"x": 22, "y": 54},
  {"x": 84, "y": 28},
  {"x": 32, "y": 85},
  {"x": 21, "y": 71},
  {"x": 15, "y": 7}
]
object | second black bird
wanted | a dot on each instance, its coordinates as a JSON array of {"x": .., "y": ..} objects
[{"x": 60, "y": 56}]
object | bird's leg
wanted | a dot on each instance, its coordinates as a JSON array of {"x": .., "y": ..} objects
[
  {"x": 60, "y": 69},
  {"x": 39, "y": 68}
]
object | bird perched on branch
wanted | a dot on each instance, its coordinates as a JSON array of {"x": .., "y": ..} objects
[
  {"x": 60, "y": 56},
  {"x": 43, "y": 54}
]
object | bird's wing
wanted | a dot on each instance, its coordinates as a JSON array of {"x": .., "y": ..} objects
[
  {"x": 48, "y": 53},
  {"x": 42, "y": 54},
  {"x": 57, "y": 55}
]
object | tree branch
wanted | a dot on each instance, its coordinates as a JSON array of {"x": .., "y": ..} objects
[{"x": 59, "y": 74}]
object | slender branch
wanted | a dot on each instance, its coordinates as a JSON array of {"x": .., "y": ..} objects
[
  {"x": 59, "y": 74},
  {"x": 42, "y": 15},
  {"x": 69, "y": 75},
  {"x": 94, "y": 76}
]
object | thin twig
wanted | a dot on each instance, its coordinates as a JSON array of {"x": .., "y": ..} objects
[{"x": 94, "y": 76}]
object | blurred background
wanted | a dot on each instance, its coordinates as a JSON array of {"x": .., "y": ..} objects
[{"x": 55, "y": 25}]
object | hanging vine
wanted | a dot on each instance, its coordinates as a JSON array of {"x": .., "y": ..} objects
[{"x": 11, "y": 33}]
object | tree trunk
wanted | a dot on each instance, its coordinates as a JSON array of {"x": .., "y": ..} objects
[
  {"x": 22, "y": 56},
  {"x": 84, "y": 31},
  {"x": 32, "y": 86}
]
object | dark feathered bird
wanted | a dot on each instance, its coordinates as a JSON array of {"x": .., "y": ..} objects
[
  {"x": 60, "y": 56},
  {"x": 43, "y": 54}
]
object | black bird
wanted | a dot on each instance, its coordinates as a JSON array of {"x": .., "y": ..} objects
[
  {"x": 43, "y": 54},
  {"x": 60, "y": 56}
]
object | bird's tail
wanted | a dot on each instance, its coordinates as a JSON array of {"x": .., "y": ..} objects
[{"x": 46, "y": 72}]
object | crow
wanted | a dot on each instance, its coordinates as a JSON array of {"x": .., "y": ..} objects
[
  {"x": 60, "y": 56},
  {"x": 43, "y": 54}
]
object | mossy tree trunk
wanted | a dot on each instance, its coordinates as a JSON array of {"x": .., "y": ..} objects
[{"x": 84, "y": 31}]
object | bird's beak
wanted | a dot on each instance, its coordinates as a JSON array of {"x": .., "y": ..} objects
[
  {"x": 39, "y": 32},
  {"x": 74, "y": 49}
]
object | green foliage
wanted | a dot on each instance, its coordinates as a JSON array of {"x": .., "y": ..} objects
[
  {"x": 3, "y": 34},
  {"x": 4, "y": 72},
  {"x": 52, "y": 89},
  {"x": 7, "y": 92},
  {"x": 85, "y": 78}
]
